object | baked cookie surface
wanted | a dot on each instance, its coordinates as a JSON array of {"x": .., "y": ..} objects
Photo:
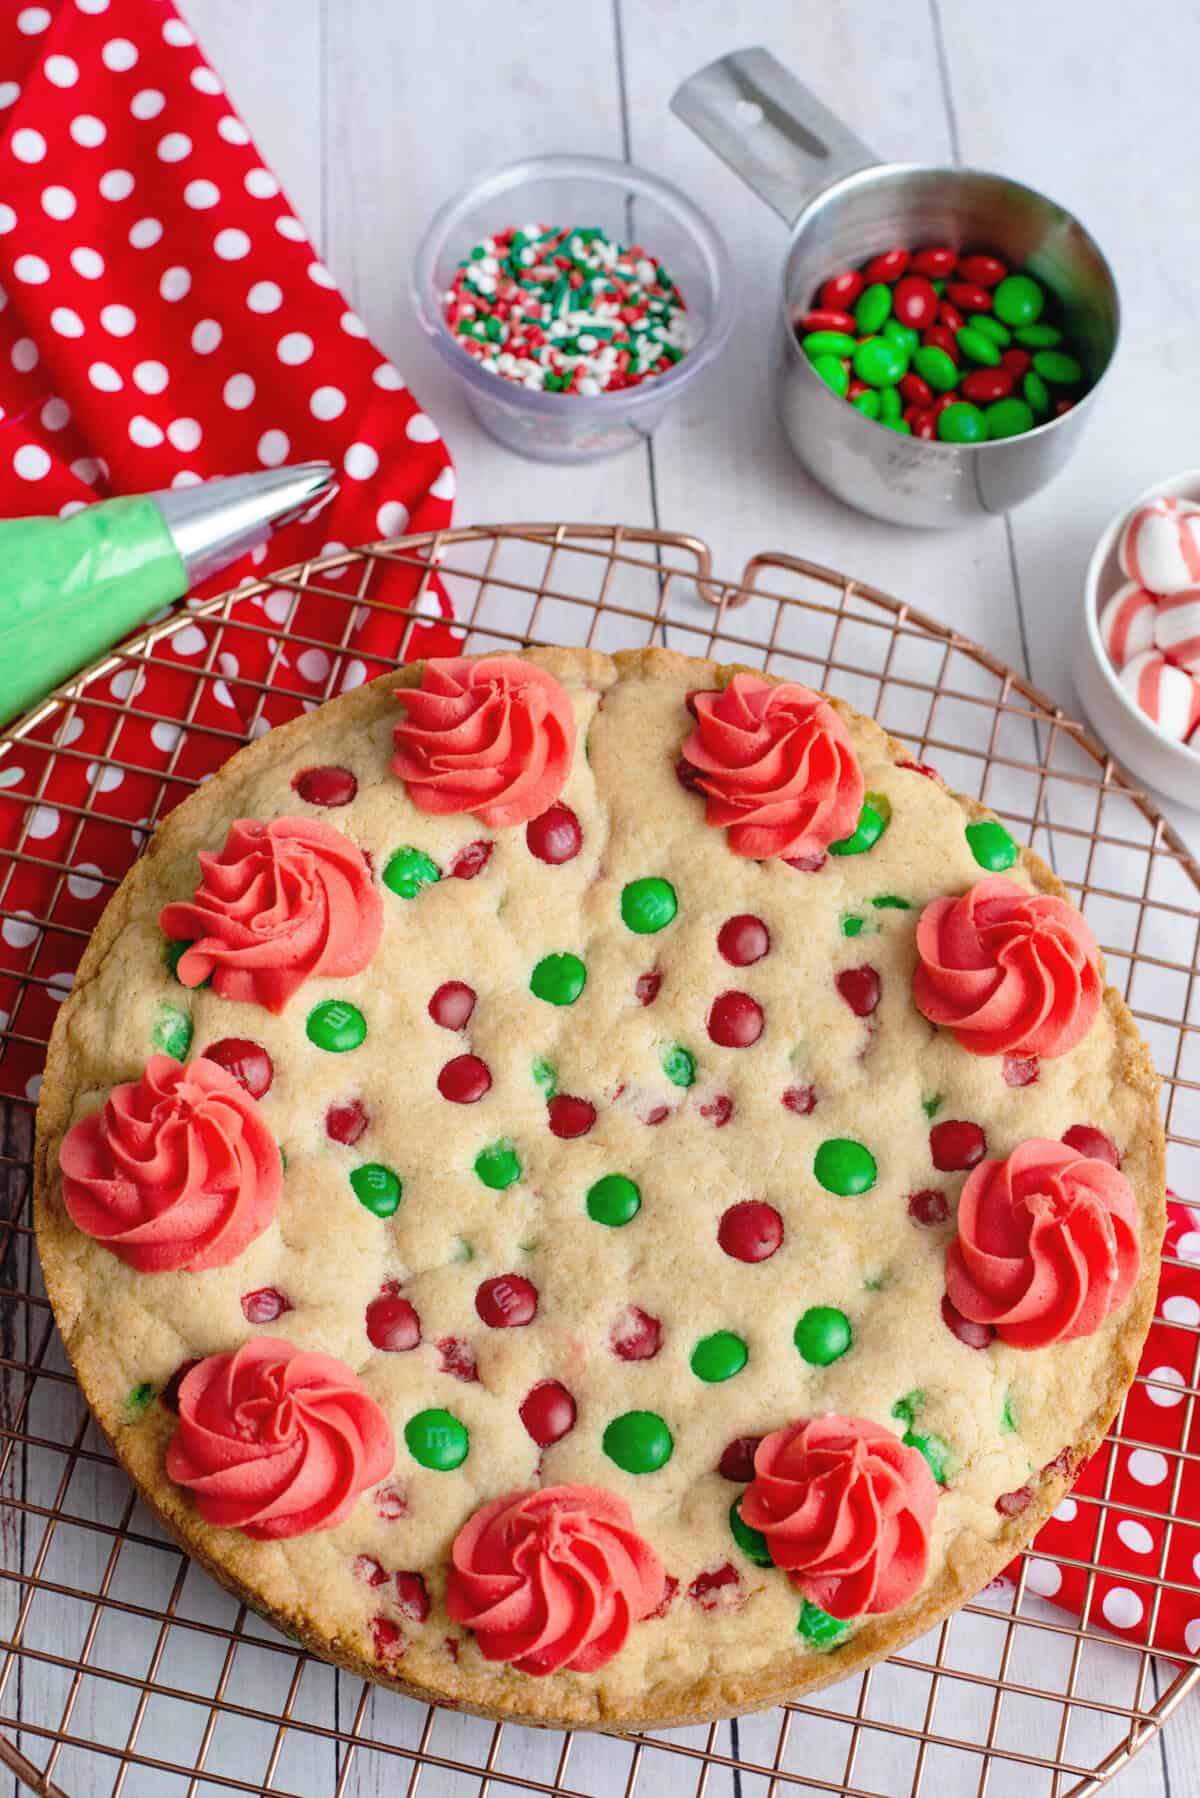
[{"x": 598, "y": 1169}]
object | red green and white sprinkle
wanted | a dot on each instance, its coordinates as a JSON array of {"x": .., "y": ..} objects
[{"x": 567, "y": 310}]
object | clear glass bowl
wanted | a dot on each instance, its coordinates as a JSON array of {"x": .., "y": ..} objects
[{"x": 629, "y": 205}]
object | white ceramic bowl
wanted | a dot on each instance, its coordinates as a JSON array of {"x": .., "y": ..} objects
[{"x": 1135, "y": 741}]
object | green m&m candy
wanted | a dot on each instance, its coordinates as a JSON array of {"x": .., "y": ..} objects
[
  {"x": 171, "y": 1032},
  {"x": 1039, "y": 337},
  {"x": 1008, "y": 1421},
  {"x": 545, "y": 1076},
  {"x": 833, "y": 372},
  {"x": 901, "y": 426},
  {"x": 866, "y": 402},
  {"x": 173, "y": 952},
  {"x": 1008, "y": 418},
  {"x": 936, "y": 1450},
  {"x": 1018, "y": 300},
  {"x": 498, "y": 1166},
  {"x": 991, "y": 327},
  {"x": 139, "y": 1397},
  {"x": 408, "y": 870},
  {"x": 873, "y": 306},
  {"x": 828, "y": 343},
  {"x": 376, "y": 1188},
  {"x": 880, "y": 362},
  {"x": 558, "y": 979},
  {"x": 822, "y": 1335},
  {"x": 891, "y": 902},
  {"x": 961, "y": 423},
  {"x": 977, "y": 347},
  {"x": 1054, "y": 365},
  {"x": 638, "y": 1441},
  {"x": 1037, "y": 394},
  {"x": 819, "y": 1628},
  {"x": 437, "y": 1439},
  {"x": 718, "y": 1357},
  {"x": 852, "y": 924},
  {"x": 648, "y": 905},
  {"x": 752, "y": 1543},
  {"x": 614, "y": 1199},
  {"x": 890, "y": 405},
  {"x": 845, "y": 1167},
  {"x": 873, "y": 820},
  {"x": 937, "y": 367},
  {"x": 336, "y": 1025},
  {"x": 991, "y": 845},
  {"x": 902, "y": 335},
  {"x": 679, "y": 1065}
]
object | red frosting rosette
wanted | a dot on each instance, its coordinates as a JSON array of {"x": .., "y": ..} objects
[
  {"x": 284, "y": 900},
  {"x": 493, "y": 736},
  {"x": 776, "y": 765},
  {"x": 1010, "y": 972},
  {"x": 1047, "y": 1244},
  {"x": 552, "y": 1578},
  {"x": 276, "y": 1442},
  {"x": 177, "y": 1170},
  {"x": 847, "y": 1509}
]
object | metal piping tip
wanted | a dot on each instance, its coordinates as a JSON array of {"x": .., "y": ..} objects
[{"x": 214, "y": 523}]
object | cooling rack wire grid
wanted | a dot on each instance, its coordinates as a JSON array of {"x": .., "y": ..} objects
[{"x": 127, "y": 1671}]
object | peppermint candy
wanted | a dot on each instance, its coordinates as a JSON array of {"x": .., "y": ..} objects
[
  {"x": 1177, "y": 629},
  {"x": 1127, "y": 623},
  {"x": 1160, "y": 546},
  {"x": 1168, "y": 696}
]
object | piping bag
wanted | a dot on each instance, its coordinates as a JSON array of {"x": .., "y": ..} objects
[{"x": 72, "y": 587}]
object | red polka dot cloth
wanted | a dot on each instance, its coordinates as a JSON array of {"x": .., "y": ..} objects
[
  {"x": 1135, "y": 1509},
  {"x": 167, "y": 319},
  {"x": 163, "y": 319}
]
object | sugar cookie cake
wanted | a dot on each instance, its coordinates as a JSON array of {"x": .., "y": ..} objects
[{"x": 597, "y": 1189}]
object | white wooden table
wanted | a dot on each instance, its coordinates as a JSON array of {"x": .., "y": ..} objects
[{"x": 374, "y": 112}]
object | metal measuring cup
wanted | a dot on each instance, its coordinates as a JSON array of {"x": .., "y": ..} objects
[{"x": 844, "y": 205}]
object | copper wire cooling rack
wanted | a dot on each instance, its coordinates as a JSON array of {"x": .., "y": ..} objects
[{"x": 127, "y": 1671}]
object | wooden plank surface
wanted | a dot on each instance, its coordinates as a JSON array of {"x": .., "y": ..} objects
[{"x": 372, "y": 115}]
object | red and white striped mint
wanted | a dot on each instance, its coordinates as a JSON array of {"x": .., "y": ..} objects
[
  {"x": 1127, "y": 623},
  {"x": 1160, "y": 546},
  {"x": 1177, "y": 629},
  {"x": 1168, "y": 696}
]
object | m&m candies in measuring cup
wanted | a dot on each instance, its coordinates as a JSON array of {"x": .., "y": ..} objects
[{"x": 938, "y": 343}]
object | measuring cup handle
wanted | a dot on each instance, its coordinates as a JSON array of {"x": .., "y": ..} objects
[{"x": 769, "y": 128}]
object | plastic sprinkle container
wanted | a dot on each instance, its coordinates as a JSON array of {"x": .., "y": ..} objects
[{"x": 629, "y": 206}]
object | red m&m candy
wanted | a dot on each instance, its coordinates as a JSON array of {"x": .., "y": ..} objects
[
  {"x": 556, "y": 836},
  {"x": 928, "y": 1207},
  {"x": 750, "y": 1231},
  {"x": 841, "y": 290},
  {"x": 412, "y": 1598},
  {"x": 452, "y": 1004},
  {"x": 888, "y": 266},
  {"x": 464, "y": 1080},
  {"x": 264, "y": 1306},
  {"x": 983, "y": 271},
  {"x": 569, "y": 1116},
  {"x": 248, "y": 1062},
  {"x": 968, "y": 296},
  {"x": 471, "y": 860},
  {"x": 914, "y": 302},
  {"x": 935, "y": 264},
  {"x": 635, "y": 1335},
  {"x": 326, "y": 786},
  {"x": 860, "y": 988},
  {"x": 345, "y": 1121},
  {"x": 735, "y": 1020},
  {"x": 737, "y": 1459},
  {"x": 800, "y": 1099},
  {"x": 392, "y": 1324},
  {"x": 743, "y": 939},
  {"x": 508, "y": 1302},
  {"x": 973, "y": 1335},
  {"x": 1085, "y": 1139},
  {"x": 647, "y": 987},
  {"x": 956, "y": 1145},
  {"x": 548, "y": 1412}
]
